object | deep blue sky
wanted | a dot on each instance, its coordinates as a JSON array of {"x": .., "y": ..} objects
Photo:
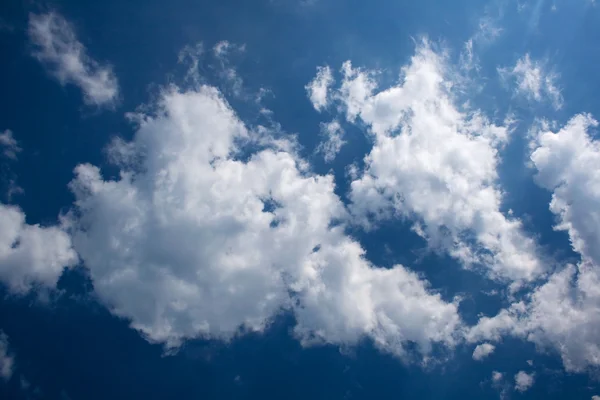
[{"x": 69, "y": 346}]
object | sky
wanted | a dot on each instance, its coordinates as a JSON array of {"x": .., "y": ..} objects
[{"x": 312, "y": 199}]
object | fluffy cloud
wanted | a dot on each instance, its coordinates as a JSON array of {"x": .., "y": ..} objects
[
  {"x": 564, "y": 313},
  {"x": 482, "y": 351},
  {"x": 567, "y": 164},
  {"x": 9, "y": 144},
  {"x": 199, "y": 238},
  {"x": 31, "y": 254},
  {"x": 523, "y": 381},
  {"x": 56, "y": 46},
  {"x": 533, "y": 81},
  {"x": 333, "y": 141},
  {"x": 6, "y": 360},
  {"x": 433, "y": 163},
  {"x": 318, "y": 88}
]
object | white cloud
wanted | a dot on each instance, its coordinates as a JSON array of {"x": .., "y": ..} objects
[
  {"x": 318, "y": 88},
  {"x": 9, "y": 144},
  {"x": 568, "y": 164},
  {"x": 435, "y": 164},
  {"x": 191, "y": 55},
  {"x": 333, "y": 140},
  {"x": 224, "y": 47},
  {"x": 501, "y": 384},
  {"x": 482, "y": 351},
  {"x": 6, "y": 359},
  {"x": 56, "y": 46},
  {"x": 564, "y": 313},
  {"x": 523, "y": 381},
  {"x": 595, "y": 397},
  {"x": 191, "y": 241},
  {"x": 31, "y": 254},
  {"x": 497, "y": 376},
  {"x": 533, "y": 81},
  {"x": 222, "y": 52}
]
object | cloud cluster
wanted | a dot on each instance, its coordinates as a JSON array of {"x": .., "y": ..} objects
[
  {"x": 200, "y": 236},
  {"x": 564, "y": 313},
  {"x": 435, "y": 164},
  {"x": 57, "y": 48},
  {"x": 213, "y": 228}
]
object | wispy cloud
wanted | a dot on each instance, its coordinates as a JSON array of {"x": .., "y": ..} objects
[
  {"x": 533, "y": 81},
  {"x": 333, "y": 141},
  {"x": 57, "y": 48},
  {"x": 6, "y": 359},
  {"x": 8, "y": 144}
]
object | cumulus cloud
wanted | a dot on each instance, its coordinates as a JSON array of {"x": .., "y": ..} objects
[
  {"x": 482, "y": 351},
  {"x": 31, "y": 254},
  {"x": 564, "y": 313},
  {"x": 195, "y": 240},
  {"x": 567, "y": 164},
  {"x": 523, "y": 381},
  {"x": 318, "y": 88},
  {"x": 57, "y": 48},
  {"x": 433, "y": 163},
  {"x": 6, "y": 359},
  {"x": 533, "y": 81},
  {"x": 333, "y": 141},
  {"x": 9, "y": 145}
]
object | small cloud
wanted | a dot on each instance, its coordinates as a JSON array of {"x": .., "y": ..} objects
[
  {"x": 497, "y": 376},
  {"x": 523, "y": 381},
  {"x": 333, "y": 135},
  {"x": 221, "y": 48},
  {"x": 482, "y": 351},
  {"x": 57, "y": 48},
  {"x": 224, "y": 48},
  {"x": 6, "y": 359},
  {"x": 9, "y": 145},
  {"x": 190, "y": 55},
  {"x": 318, "y": 88},
  {"x": 533, "y": 81}
]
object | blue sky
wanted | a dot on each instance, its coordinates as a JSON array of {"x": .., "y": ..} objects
[{"x": 324, "y": 199}]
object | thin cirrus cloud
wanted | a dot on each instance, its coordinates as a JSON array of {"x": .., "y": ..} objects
[
  {"x": 449, "y": 191},
  {"x": 56, "y": 46}
]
